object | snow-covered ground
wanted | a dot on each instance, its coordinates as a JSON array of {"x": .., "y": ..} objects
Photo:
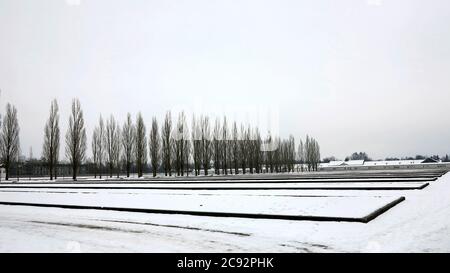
[
  {"x": 420, "y": 223},
  {"x": 216, "y": 180},
  {"x": 234, "y": 185},
  {"x": 327, "y": 206},
  {"x": 405, "y": 174}
]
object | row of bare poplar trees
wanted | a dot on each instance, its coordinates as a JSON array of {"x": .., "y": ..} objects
[
  {"x": 9, "y": 139},
  {"x": 178, "y": 149},
  {"x": 173, "y": 148}
]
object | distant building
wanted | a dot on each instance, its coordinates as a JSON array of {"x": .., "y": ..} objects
[
  {"x": 346, "y": 163},
  {"x": 427, "y": 163}
]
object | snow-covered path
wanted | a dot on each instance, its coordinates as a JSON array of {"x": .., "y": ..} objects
[{"x": 421, "y": 223}]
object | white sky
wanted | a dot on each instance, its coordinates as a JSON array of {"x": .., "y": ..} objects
[{"x": 361, "y": 75}]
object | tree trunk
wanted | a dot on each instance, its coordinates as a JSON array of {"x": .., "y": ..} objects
[{"x": 74, "y": 172}]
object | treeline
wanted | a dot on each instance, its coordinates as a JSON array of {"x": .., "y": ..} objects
[
  {"x": 355, "y": 156},
  {"x": 364, "y": 156},
  {"x": 419, "y": 157},
  {"x": 175, "y": 148}
]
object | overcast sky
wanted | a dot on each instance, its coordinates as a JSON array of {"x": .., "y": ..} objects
[{"x": 361, "y": 75}]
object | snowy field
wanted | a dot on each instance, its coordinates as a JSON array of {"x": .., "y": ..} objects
[
  {"x": 340, "y": 208},
  {"x": 420, "y": 223},
  {"x": 231, "y": 186}
]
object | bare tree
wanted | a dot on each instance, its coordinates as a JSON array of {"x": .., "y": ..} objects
[
  {"x": 141, "y": 145},
  {"x": 229, "y": 152},
  {"x": 224, "y": 146},
  {"x": 128, "y": 138},
  {"x": 180, "y": 141},
  {"x": 196, "y": 145},
  {"x": 251, "y": 155},
  {"x": 312, "y": 153},
  {"x": 301, "y": 155},
  {"x": 117, "y": 150},
  {"x": 166, "y": 134},
  {"x": 111, "y": 135},
  {"x": 244, "y": 148},
  {"x": 291, "y": 153},
  {"x": 100, "y": 145},
  {"x": 9, "y": 141},
  {"x": 277, "y": 154},
  {"x": 76, "y": 138},
  {"x": 316, "y": 154},
  {"x": 95, "y": 145},
  {"x": 287, "y": 155},
  {"x": 206, "y": 149},
  {"x": 185, "y": 147},
  {"x": 308, "y": 152},
  {"x": 255, "y": 151},
  {"x": 260, "y": 152},
  {"x": 155, "y": 146},
  {"x": 50, "y": 150},
  {"x": 235, "y": 148},
  {"x": 187, "y": 152},
  {"x": 216, "y": 146},
  {"x": 270, "y": 149}
]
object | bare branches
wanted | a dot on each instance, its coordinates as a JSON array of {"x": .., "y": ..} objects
[
  {"x": 117, "y": 150},
  {"x": 243, "y": 148},
  {"x": 287, "y": 155},
  {"x": 128, "y": 139},
  {"x": 301, "y": 155},
  {"x": 225, "y": 147},
  {"x": 100, "y": 144},
  {"x": 205, "y": 144},
  {"x": 9, "y": 139},
  {"x": 50, "y": 150},
  {"x": 113, "y": 145},
  {"x": 196, "y": 145},
  {"x": 240, "y": 148},
  {"x": 76, "y": 138},
  {"x": 311, "y": 153},
  {"x": 140, "y": 145},
  {"x": 110, "y": 142},
  {"x": 216, "y": 146},
  {"x": 235, "y": 148},
  {"x": 256, "y": 155},
  {"x": 166, "y": 134},
  {"x": 180, "y": 143},
  {"x": 155, "y": 147},
  {"x": 95, "y": 145}
]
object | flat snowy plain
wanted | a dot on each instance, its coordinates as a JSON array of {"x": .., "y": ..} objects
[{"x": 421, "y": 223}]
